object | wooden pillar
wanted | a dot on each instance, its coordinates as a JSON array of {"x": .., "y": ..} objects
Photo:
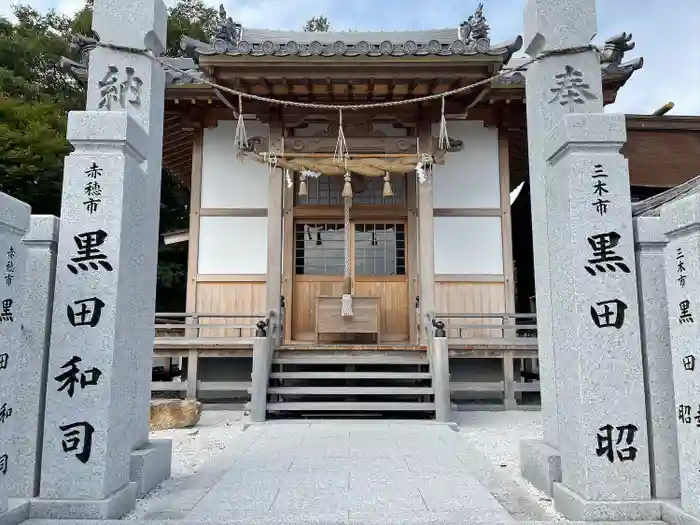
[
  {"x": 195, "y": 206},
  {"x": 274, "y": 227},
  {"x": 426, "y": 246},
  {"x": 193, "y": 255},
  {"x": 506, "y": 231}
]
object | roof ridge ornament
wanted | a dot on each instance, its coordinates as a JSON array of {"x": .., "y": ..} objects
[
  {"x": 228, "y": 33},
  {"x": 474, "y": 32},
  {"x": 615, "y": 48}
]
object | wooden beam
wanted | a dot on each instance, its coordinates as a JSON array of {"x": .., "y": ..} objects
[
  {"x": 467, "y": 212},
  {"x": 233, "y": 212},
  {"x": 506, "y": 231}
]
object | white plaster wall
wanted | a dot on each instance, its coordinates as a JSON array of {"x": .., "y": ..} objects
[
  {"x": 227, "y": 181},
  {"x": 470, "y": 177},
  {"x": 468, "y": 245},
  {"x": 233, "y": 245}
]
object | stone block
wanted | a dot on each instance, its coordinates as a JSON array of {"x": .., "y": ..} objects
[
  {"x": 575, "y": 508},
  {"x": 17, "y": 512},
  {"x": 650, "y": 241},
  {"x": 558, "y": 24},
  {"x": 150, "y": 465},
  {"x": 593, "y": 282},
  {"x": 673, "y": 514},
  {"x": 14, "y": 222},
  {"x": 116, "y": 505},
  {"x": 40, "y": 242},
  {"x": 540, "y": 464},
  {"x": 681, "y": 221},
  {"x": 174, "y": 413}
]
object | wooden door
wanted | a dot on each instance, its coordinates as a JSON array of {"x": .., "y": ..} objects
[{"x": 378, "y": 269}]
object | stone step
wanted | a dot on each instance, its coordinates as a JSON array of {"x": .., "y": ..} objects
[
  {"x": 370, "y": 358},
  {"x": 350, "y": 375},
  {"x": 349, "y": 406},
  {"x": 350, "y": 390}
]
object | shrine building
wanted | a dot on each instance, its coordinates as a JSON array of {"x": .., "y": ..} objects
[{"x": 359, "y": 231}]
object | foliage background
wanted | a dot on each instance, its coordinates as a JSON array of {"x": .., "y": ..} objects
[{"x": 36, "y": 96}]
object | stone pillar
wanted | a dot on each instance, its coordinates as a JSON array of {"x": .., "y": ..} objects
[
  {"x": 40, "y": 244},
  {"x": 600, "y": 383},
  {"x": 123, "y": 81},
  {"x": 650, "y": 241},
  {"x": 681, "y": 220},
  {"x": 85, "y": 471},
  {"x": 14, "y": 222},
  {"x": 551, "y": 25}
]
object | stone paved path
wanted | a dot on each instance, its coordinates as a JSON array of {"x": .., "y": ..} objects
[
  {"x": 351, "y": 471},
  {"x": 333, "y": 473}
]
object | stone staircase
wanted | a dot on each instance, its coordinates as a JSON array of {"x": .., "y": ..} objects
[{"x": 362, "y": 383}]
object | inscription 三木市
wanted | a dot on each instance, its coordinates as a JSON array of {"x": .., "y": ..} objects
[
  {"x": 600, "y": 189},
  {"x": 680, "y": 266}
]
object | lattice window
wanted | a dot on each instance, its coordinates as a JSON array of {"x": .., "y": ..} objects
[
  {"x": 380, "y": 249},
  {"x": 326, "y": 191},
  {"x": 319, "y": 249}
]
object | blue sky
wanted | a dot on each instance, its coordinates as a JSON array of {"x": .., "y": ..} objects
[{"x": 667, "y": 33}]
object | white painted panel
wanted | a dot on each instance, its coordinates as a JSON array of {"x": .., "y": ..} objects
[
  {"x": 227, "y": 181},
  {"x": 470, "y": 177},
  {"x": 232, "y": 245},
  {"x": 468, "y": 245}
]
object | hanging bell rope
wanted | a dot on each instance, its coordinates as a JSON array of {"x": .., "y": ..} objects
[
  {"x": 241, "y": 139},
  {"x": 443, "y": 138},
  {"x": 346, "y": 299},
  {"x": 347, "y": 186},
  {"x": 388, "y": 192},
  {"x": 302, "y": 184},
  {"x": 288, "y": 178},
  {"x": 341, "y": 147}
]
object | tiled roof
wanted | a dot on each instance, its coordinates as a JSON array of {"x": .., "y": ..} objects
[{"x": 439, "y": 42}]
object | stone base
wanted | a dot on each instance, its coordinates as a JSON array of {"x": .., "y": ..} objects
[
  {"x": 113, "y": 507},
  {"x": 540, "y": 464},
  {"x": 17, "y": 512},
  {"x": 150, "y": 465},
  {"x": 575, "y": 508},
  {"x": 672, "y": 513}
]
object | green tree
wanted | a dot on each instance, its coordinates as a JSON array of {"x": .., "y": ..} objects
[{"x": 317, "y": 24}]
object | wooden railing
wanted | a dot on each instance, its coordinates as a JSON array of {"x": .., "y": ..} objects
[
  {"x": 491, "y": 328},
  {"x": 509, "y": 337},
  {"x": 195, "y": 335}
]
